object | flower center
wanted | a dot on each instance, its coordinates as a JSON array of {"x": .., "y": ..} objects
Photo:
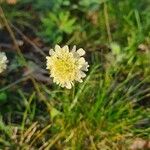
[{"x": 65, "y": 68}]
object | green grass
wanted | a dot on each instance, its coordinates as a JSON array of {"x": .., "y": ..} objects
[
  {"x": 110, "y": 109},
  {"x": 101, "y": 112}
]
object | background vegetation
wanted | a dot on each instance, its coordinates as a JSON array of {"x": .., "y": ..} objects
[{"x": 110, "y": 110}]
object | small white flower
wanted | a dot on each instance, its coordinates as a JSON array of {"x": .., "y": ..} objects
[
  {"x": 3, "y": 61},
  {"x": 66, "y": 66}
]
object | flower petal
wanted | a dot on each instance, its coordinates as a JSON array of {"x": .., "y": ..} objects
[
  {"x": 3, "y": 61},
  {"x": 68, "y": 85},
  {"x": 57, "y": 48},
  {"x": 81, "y": 52},
  {"x": 85, "y": 67},
  {"x": 81, "y": 60},
  {"x": 74, "y": 48},
  {"x": 66, "y": 48},
  {"x": 83, "y": 75},
  {"x": 51, "y": 52}
]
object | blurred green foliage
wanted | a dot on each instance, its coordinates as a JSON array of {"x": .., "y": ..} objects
[
  {"x": 70, "y": 19},
  {"x": 3, "y": 97},
  {"x": 110, "y": 105},
  {"x": 54, "y": 26}
]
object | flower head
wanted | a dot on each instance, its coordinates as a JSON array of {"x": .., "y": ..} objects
[
  {"x": 66, "y": 66},
  {"x": 3, "y": 61}
]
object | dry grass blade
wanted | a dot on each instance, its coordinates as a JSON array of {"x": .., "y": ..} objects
[
  {"x": 90, "y": 136},
  {"x": 29, "y": 133},
  {"x": 51, "y": 142},
  {"x": 11, "y": 34},
  {"x": 28, "y": 40},
  {"x": 40, "y": 134}
]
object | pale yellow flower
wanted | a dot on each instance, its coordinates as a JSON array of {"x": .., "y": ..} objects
[
  {"x": 66, "y": 66},
  {"x": 3, "y": 62}
]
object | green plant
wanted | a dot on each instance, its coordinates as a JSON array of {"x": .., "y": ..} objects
[
  {"x": 102, "y": 112},
  {"x": 56, "y": 26},
  {"x": 110, "y": 108}
]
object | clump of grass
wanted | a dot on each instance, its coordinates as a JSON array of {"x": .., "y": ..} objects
[{"x": 101, "y": 113}]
